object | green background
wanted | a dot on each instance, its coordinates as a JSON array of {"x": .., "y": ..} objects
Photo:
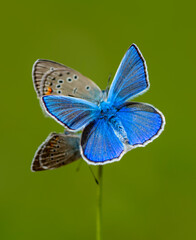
[{"x": 150, "y": 193}]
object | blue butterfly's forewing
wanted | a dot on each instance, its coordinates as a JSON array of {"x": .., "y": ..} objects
[
  {"x": 73, "y": 113},
  {"x": 131, "y": 77},
  {"x": 142, "y": 122},
  {"x": 100, "y": 144}
]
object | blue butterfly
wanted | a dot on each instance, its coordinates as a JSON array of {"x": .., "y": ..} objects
[{"x": 110, "y": 124}]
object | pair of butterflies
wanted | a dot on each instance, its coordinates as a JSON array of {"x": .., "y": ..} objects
[{"x": 110, "y": 124}]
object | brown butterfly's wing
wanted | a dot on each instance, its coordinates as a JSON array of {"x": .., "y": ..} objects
[
  {"x": 51, "y": 78},
  {"x": 56, "y": 151},
  {"x": 36, "y": 166}
]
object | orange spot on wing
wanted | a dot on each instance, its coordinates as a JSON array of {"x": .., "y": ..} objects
[{"x": 49, "y": 91}]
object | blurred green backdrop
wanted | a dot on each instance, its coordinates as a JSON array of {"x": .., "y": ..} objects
[{"x": 150, "y": 193}]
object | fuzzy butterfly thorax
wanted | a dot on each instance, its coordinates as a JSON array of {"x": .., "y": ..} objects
[
  {"x": 109, "y": 113},
  {"x": 106, "y": 110}
]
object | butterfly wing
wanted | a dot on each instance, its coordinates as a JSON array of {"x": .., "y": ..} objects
[
  {"x": 56, "y": 151},
  {"x": 36, "y": 166},
  {"x": 51, "y": 78},
  {"x": 71, "y": 112},
  {"x": 142, "y": 122},
  {"x": 99, "y": 143},
  {"x": 131, "y": 77}
]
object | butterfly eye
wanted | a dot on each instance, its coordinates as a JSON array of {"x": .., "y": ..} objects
[
  {"x": 59, "y": 91},
  {"x": 60, "y": 81},
  {"x": 51, "y": 68},
  {"x": 87, "y": 88},
  {"x": 69, "y": 79},
  {"x": 75, "y": 77}
]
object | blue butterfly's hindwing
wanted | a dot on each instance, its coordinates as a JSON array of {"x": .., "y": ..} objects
[
  {"x": 71, "y": 112},
  {"x": 100, "y": 144},
  {"x": 131, "y": 77},
  {"x": 142, "y": 122}
]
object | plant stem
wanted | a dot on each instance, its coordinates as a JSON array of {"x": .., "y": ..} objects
[{"x": 99, "y": 204}]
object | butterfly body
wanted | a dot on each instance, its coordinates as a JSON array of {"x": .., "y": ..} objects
[
  {"x": 110, "y": 124},
  {"x": 106, "y": 110}
]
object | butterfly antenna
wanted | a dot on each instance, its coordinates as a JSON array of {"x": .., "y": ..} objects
[
  {"x": 108, "y": 83},
  {"x": 97, "y": 182}
]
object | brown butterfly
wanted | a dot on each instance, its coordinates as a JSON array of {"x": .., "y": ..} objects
[{"x": 51, "y": 78}]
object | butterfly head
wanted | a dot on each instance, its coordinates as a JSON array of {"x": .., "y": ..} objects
[{"x": 105, "y": 95}]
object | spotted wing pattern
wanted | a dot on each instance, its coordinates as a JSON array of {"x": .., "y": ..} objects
[
  {"x": 51, "y": 78},
  {"x": 56, "y": 151}
]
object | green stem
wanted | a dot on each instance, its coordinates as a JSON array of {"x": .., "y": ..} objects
[{"x": 99, "y": 203}]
